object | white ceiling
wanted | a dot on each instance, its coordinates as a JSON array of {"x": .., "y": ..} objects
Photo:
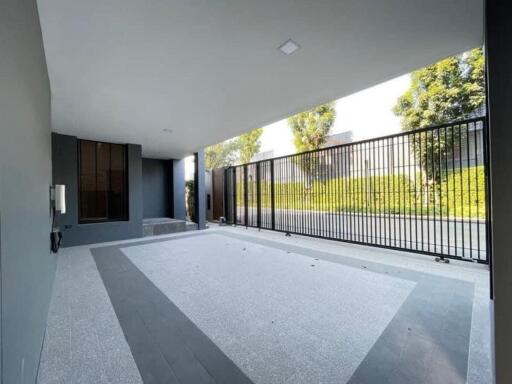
[{"x": 124, "y": 70}]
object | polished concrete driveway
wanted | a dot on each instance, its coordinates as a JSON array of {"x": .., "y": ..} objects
[{"x": 239, "y": 306}]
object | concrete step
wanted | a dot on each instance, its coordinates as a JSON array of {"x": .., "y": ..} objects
[{"x": 164, "y": 225}]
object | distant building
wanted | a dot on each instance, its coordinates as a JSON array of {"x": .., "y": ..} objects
[
  {"x": 266, "y": 155},
  {"x": 338, "y": 139}
]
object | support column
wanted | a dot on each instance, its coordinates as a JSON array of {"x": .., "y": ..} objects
[
  {"x": 178, "y": 189},
  {"x": 199, "y": 190},
  {"x": 499, "y": 83}
]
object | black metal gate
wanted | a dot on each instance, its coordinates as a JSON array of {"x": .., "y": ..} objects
[{"x": 421, "y": 191}]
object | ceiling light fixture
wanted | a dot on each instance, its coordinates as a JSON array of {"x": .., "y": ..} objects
[{"x": 289, "y": 47}]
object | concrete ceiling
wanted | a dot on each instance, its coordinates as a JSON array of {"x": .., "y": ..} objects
[{"x": 125, "y": 70}]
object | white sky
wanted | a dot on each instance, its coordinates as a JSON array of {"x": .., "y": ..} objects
[{"x": 367, "y": 114}]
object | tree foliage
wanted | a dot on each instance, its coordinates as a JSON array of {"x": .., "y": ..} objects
[
  {"x": 449, "y": 90},
  {"x": 311, "y": 128},
  {"x": 241, "y": 149},
  {"x": 221, "y": 155},
  {"x": 249, "y": 144}
]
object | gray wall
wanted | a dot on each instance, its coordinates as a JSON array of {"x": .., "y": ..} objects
[
  {"x": 27, "y": 266},
  {"x": 499, "y": 62},
  {"x": 65, "y": 171},
  {"x": 156, "y": 187}
]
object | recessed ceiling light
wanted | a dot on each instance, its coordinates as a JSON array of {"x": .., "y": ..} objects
[
  {"x": 288, "y": 47},
  {"x": 167, "y": 130}
]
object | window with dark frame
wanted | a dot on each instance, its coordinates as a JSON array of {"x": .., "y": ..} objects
[{"x": 103, "y": 185}]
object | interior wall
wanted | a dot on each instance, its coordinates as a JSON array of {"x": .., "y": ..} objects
[
  {"x": 27, "y": 266},
  {"x": 156, "y": 188},
  {"x": 65, "y": 171}
]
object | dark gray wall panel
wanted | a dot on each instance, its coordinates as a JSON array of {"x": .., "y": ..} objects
[
  {"x": 27, "y": 266},
  {"x": 156, "y": 188},
  {"x": 65, "y": 171},
  {"x": 499, "y": 64}
]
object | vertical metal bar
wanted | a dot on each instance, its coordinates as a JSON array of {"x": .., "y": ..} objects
[
  {"x": 235, "y": 195},
  {"x": 339, "y": 165},
  {"x": 366, "y": 190},
  {"x": 360, "y": 208},
  {"x": 246, "y": 198},
  {"x": 302, "y": 196},
  {"x": 350, "y": 200},
  {"x": 440, "y": 187},
  {"x": 429, "y": 193},
  {"x": 421, "y": 190},
  {"x": 272, "y": 197},
  {"x": 393, "y": 192},
  {"x": 461, "y": 192},
  {"x": 258, "y": 195},
  {"x": 477, "y": 220},
  {"x": 296, "y": 194},
  {"x": 381, "y": 188},
  {"x": 332, "y": 191},
  {"x": 348, "y": 196},
  {"x": 289, "y": 182},
  {"x": 399, "y": 190},
  {"x": 434, "y": 189},
  {"x": 405, "y": 186},
  {"x": 415, "y": 169},
  {"x": 448, "y": 211},
  {"x": 372, "y": 192},
  {"x": 291, "y": 203},
  {"x": 447, "y": 188},
  {"x": 455, "y": 233},
  {"x": 327, "y": 189},
  {"x": 468, "y": 175},
  {"x": 317, "y": 197},
  {"x": 409, "y": 188},
  {"x": 278, "y": 186}
]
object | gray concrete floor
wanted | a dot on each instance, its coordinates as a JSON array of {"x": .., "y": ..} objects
[{"x": 282, "y": 310}]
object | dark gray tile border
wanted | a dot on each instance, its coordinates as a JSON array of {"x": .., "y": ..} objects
[
  {"x": 427, "y": 340},
  {"x": 166, "y": 346}
]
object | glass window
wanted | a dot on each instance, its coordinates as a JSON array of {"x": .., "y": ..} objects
[{"x": 103, "y": 182}]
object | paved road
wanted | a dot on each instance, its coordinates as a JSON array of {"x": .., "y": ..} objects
[{"x": 455, "y": 237}]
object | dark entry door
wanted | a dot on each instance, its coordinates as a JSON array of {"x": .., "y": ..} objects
[{"x": 217, "y": 193}]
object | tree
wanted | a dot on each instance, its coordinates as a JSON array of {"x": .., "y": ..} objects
[
  {"x": 221, "y": 155},
  {"x": 310, "y": 130},
  {"x": 240, "y": 149},
  {"x": 448, "y": 90},
  {"x": 249, "y": 144},
  {"x": 451, "y": 89}
]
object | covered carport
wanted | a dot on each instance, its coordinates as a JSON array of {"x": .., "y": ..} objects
[{"x": 167, "y": 78}]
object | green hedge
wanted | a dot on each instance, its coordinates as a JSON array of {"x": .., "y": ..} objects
[{"x": 455, "y": 196}]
